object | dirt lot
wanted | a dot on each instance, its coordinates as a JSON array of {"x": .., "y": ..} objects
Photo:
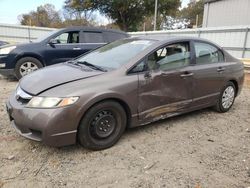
[{"x": 199, "y": 149}]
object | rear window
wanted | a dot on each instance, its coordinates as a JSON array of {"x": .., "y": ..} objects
[
  {"x": 206, "y": 53},
  {"x": 93, "y": 37}
]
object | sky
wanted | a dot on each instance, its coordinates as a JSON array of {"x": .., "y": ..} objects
[{"x": 11, "y": 9}]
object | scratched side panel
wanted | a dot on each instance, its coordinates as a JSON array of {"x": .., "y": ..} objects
[{"x": 163, "y": 95}]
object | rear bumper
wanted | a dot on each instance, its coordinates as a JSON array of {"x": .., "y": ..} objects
[
  {"x": 240, "y": 82},
  {"x": 53, "y": 127}
]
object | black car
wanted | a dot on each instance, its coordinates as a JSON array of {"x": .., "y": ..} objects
[{"x": 60, "y": 46}]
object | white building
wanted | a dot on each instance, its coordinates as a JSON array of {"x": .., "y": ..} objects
[
  {"x": 193, "y": 1},
  {"x": 219, "y": 13}
]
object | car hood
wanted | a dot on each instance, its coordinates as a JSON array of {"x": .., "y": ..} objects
[{"x": 53, "y": 76}]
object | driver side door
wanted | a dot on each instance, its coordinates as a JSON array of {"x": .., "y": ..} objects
[
  {"x": 165, "y": 89},
  {"x": 67, "y": 47}
]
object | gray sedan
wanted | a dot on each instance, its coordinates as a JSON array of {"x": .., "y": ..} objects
[{"x": 127, "y": 83}]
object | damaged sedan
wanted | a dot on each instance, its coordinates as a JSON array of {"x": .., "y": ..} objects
[{"x": 91, "y": 100}]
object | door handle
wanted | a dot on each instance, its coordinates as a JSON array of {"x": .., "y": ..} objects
[
  {"x": 187, "y": 74},
  {"x": 76, "y": 48},
  {"x": 221, "y": 69}
]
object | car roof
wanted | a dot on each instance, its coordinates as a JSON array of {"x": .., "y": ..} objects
[
  {"x": 87, "y": 28},
  {"x": 169, "y": 38}
]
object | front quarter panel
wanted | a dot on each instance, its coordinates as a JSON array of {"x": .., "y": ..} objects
[
  {"x": 23, "y": 50},
  {"x": 122, "y": 88}
]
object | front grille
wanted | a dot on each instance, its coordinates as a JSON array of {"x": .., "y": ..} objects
[{"x": 22, "y": 100}]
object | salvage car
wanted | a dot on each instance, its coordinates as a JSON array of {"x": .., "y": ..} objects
[
  {"x": 59, "y": 46},
  {"x": 127, "y": 83}
]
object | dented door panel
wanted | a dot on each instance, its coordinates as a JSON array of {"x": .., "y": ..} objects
[{"x": 163, "y": 94}]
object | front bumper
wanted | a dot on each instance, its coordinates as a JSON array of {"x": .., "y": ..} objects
[
  {"x": 7, "y": 72},
  {"x": 54, "y": 127},
  {"x": 5, "y": 69}
]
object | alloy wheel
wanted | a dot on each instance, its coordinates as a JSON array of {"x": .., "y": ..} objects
[
  {"x": 27, "y": 68},
  {"x": 228, "y": 97}
]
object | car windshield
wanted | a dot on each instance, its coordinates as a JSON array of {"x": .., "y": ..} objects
[{"x": 114, "y": 55}]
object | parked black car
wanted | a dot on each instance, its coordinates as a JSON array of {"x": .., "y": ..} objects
[
  {"x": 3, "y": 43},
  {"x": 60, "y": 46}
]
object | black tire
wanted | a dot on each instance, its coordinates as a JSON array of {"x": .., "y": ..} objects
[
  {"x": 91, "y": 134},
  {"x": 24, "y": 60},
  {"x": 219, "y": 107}
]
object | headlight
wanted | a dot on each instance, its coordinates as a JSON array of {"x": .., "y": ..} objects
[
  {"x": 7, "y": 50},
  {"x": 51, "y": 102}
]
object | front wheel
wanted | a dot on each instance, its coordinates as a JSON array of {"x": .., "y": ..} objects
[
  {"x": 102, "y": 126},
  {"x": 26, "y": 66},
  {"x": 227, "y": 98}
]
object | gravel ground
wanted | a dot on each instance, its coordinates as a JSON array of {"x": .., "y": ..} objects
[{"x": 198, "y": 150}]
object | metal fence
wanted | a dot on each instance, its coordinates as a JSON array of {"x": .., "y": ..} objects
[
  {"x": 18, "y": 34},
  {"x": 236, "y": 40}
]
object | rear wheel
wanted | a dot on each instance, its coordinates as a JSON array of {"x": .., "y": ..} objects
[
  {"x": 26, "y": 66},
  {"x": 227, "y": 98},
  {"x": 102, "y": 126}
]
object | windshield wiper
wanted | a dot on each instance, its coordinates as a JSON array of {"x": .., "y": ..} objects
[
  {"x": 95, "y": 67},
  {"x": 73, "y": 62},
  {"x": 81, "y": 66}
]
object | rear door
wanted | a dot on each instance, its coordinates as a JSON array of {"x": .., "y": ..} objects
[
  {"x": 208, "y": 73},
  {"x": 66, "y": 48},
  {"x": 92, "y": 40}
]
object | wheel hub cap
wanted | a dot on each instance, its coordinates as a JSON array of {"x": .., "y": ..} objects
[
  {"x": 27, "y": 68},
  {"x": 103, "y": 124},
  {"x": 228, "y": 97}
]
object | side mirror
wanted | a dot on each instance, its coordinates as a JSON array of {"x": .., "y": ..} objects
[{"x": 52, "y": 42}]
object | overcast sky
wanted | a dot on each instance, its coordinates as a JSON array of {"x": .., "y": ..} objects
[{"x": 11, "y": 9}]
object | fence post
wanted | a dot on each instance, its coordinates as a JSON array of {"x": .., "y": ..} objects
[
  {"x": 245, "y": 42},
  {"x": 29, "y": 33},
  {"x": 199, "y": 33}
]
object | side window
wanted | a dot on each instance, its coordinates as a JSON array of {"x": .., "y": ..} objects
[
  {"x": 69, "y": 37},
  {"x": 110, "y": 36},
  {"x": 206, "y": 53},
  {"x": 140, "y": 67},
  {"x": 63, "y": 38},
  {"x": 74, "y": 37},
  {"x": 170, "y": 57},
  {"x": 93, "y": 37}
]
